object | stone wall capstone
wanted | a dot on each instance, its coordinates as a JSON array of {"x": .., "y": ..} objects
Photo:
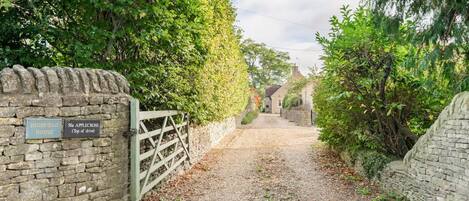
[
  {"x": 437, "y": 167},
  {"x": 63, "y": 169}
]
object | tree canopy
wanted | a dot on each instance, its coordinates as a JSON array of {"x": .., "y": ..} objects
[
  {"x": 266, "y": 66},
  {"x": 441, "y": 33}
]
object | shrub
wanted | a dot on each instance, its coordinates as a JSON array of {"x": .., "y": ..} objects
[
  {"x": 372, "y": 162},
  {"x": 368, "y": 98},
  {"x": 291, "y": 100},
  {"x": 249, "y": 117}
]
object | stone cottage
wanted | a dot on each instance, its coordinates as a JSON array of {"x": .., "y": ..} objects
[
  {"x": 269, "y": 104},
  {"x": 274, "y": 94},
  {"x": 303, "y": 114}
]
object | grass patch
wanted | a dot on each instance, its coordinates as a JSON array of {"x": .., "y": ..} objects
[
  {"x": 249, "y": 117},
  {"x": 363, "y": 190}
]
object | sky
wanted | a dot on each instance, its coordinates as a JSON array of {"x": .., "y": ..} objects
[{"x": 289, "y": 25}]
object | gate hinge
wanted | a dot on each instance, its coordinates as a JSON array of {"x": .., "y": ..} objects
[{"x": 132, "y": 132}]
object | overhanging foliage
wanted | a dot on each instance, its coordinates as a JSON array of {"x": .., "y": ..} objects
[{"x": 441, "y": 34}]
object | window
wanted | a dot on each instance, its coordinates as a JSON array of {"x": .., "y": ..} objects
[{"x": 280, "y": 103}]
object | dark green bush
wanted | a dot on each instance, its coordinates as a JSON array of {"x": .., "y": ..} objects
[
  {"x": 372, "y": 161},
  {"x": 249, "y": 117}
]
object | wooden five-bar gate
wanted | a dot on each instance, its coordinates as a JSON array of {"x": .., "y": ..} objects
[{"x": 159, "y": 144}]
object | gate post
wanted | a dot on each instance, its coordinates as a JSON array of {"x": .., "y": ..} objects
[
  {"x": 188, "y": 119},
  {"x": 134, "y": 151}
]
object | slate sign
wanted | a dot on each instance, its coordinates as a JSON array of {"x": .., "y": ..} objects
[
  {"x": 81, "y": 128},
  {"x": 43, "y": 128}
]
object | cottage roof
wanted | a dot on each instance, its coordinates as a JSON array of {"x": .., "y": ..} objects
[{"x": 271, "y": 90}]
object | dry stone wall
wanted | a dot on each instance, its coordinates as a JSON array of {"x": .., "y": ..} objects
[
  {"x": 437, "y": 167},
  {"x": 63, "y": 169},
  {"x": 300, "y": 115},
  {"x": 203, "y": 138}
]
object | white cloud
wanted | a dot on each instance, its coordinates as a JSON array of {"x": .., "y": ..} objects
[{"x": 289, "y": 25}]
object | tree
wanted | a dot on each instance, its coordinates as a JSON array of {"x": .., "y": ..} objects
[
  {"x": 367, "y": 98},
  {"x": 442, "y": 34},
  {"x": 266, "y": 66}
]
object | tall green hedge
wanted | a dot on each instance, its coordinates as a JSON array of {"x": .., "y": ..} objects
[
  {"x": 176, "y": 54},
  {"x": 222, "y": 84}
]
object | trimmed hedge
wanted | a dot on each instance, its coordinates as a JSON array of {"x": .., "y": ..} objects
[{"x": 179, "y": 55}]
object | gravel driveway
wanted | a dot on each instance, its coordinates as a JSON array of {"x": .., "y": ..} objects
[{"x": 270, "y": 159}]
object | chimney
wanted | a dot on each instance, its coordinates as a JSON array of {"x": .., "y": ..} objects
[
  {"x": 296, "y": 72},
  {"x": 295, "y": 69}
]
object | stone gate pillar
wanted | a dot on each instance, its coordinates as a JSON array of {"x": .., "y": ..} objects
[{"x": 63, "y": 168}]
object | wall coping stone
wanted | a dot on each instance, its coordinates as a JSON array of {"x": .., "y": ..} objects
[
  {"x": 459, "y": 105},
  {"x": 435, "y": 168},
  {"x": 61, "y": 80}
]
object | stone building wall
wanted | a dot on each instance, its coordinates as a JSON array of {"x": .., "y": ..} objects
[
  {"x": 437, "y": 167},
  {"x": 63, "y": 169},
  {"x": 277, "y": 98},
  {"x": 307, "y": 95}
]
